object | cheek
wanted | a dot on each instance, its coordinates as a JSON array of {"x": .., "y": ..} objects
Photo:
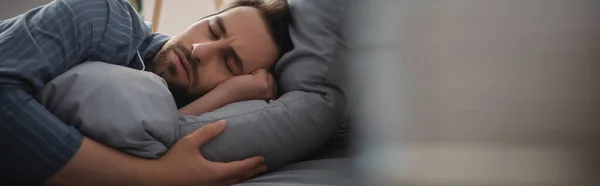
[{"x": 209, "y": 78}]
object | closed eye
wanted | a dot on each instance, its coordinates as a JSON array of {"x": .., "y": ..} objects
[
  {"x": 227, "y": 64},
  {"x": 212, "y": 33}
]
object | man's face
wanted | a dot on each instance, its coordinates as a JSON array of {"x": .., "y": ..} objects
[{"x": 216, "y": 48}]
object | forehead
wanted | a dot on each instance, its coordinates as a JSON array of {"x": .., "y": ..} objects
[{"x": 249, "y": 36}]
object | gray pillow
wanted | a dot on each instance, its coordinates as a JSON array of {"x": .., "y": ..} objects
[{"x": 127, "y": 109}]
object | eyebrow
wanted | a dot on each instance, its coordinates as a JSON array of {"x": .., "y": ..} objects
[{"x": 238, "y": 61}]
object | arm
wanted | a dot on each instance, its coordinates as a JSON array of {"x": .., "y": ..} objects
[
  {"x": 43, "y": 145},
  {"x": 258, "y": 85},
  {"x": 90, "y": 165},
  {"x": 212, "y": 100},
  {"x": 180, "y": 166},
  {"x": 35, "y": 143},
  {"x": 38, "y": 148},
  {"x": 35, "y": 48}
]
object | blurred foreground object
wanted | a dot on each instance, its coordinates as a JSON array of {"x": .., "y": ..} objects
[{"x": 471, "y": 92}]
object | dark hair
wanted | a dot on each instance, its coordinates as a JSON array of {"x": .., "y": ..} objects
[{"x": 276, "y": 14}]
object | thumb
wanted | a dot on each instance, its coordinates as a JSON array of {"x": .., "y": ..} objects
[{"x": 206, "y": 133}]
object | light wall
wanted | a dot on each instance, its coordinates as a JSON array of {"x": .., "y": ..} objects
[
  {"x": 177, "y": 15},
  {"x": 12, "y": 8}
]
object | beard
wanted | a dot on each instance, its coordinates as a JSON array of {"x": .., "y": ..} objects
[
  {"x": 160, "y": 66},
  {"x": 164, "y": 68}
]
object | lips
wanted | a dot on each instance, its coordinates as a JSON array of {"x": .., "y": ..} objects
[
  {"x": 185, "y": 63},
  {"x": 182, "y": 72}
]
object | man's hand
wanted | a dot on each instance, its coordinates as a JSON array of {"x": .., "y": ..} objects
[
  {"x": 258, "y": 85},
  {"x": 184, "y": 164},
  {"x": 97, "y": 164}
]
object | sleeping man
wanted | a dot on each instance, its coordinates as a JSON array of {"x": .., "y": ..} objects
[
  {"x": 208, "y": 66},
  {"x": 218, "y": 60}
]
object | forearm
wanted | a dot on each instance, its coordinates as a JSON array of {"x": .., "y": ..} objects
[
  {"x": 37, "y": 147},
  {"x": 96, "y": 164},
  {"x": 212, "y": 100}
]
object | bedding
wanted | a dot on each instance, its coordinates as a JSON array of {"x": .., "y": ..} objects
[
  {"x": 334, "y": 171},
  {"x": 128, "y": 109},
  {"x": 133, "y": 111}
]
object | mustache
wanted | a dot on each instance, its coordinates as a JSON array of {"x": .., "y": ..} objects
[{"x": 187, "y": 54}]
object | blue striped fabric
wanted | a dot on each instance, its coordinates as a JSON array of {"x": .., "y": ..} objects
[{"x": 38, "y": 46}]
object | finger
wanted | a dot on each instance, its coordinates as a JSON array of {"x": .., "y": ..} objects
[
  {"x": 259, "y": 71},
  {"x": 237, "y": 169},
  {"x": 250, "y": 174},
  {"x": 206, "y": 133},
  {"x": 257, "y": 171}
]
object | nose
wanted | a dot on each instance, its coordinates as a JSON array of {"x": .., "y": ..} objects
[{"x": 207, "y": 51}]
